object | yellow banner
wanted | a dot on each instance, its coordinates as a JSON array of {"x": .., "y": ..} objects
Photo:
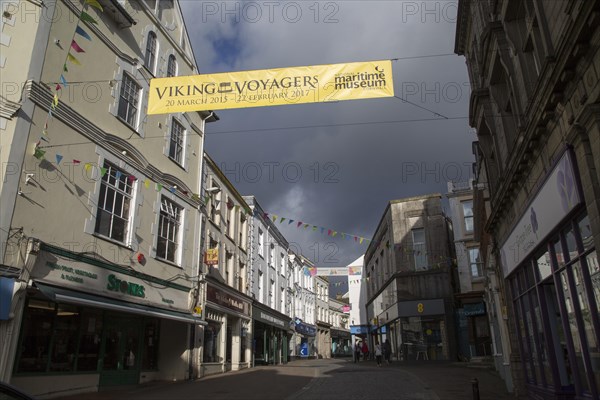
[{"x": 271, "y": 87}]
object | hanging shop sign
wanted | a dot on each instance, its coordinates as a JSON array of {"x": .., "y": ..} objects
[
  {"x": 211, "y": 257},
  {"x": 556, "y": 199},
  {"x": 305, "y": 329},
  {"x": 271, "y": 87}
]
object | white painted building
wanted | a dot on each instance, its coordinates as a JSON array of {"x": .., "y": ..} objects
[{"x": 357, "y": 289}]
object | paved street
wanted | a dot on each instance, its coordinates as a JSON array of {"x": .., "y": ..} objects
[{"x": 328, "y": 379}]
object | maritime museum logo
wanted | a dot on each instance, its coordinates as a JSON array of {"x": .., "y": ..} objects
[{"x": 362, "y": 80}]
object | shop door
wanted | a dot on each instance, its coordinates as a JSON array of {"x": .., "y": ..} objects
[{"x": 121, "y": 352}]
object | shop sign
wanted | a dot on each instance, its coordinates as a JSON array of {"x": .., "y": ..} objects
[
  {"x": 474, "y": 309},
  {"x": 359, "y": 329},
  {"x": 558, "y": 196},
  {"x": 421, "y": 307},
  {"x": 305, "y": 329},
  {"x": 78, "y": 275},
  {"x": 262, "y": 316},
  {"x": 224, "y": 299},
  {"x": 211, "y": 257}
]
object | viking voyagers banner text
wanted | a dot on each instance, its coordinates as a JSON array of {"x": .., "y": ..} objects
[{"x": 271, "y": 87}]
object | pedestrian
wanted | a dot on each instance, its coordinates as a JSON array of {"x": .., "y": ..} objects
[
  {"x": 378, "y": 353},
  {"x": 387, "y": 351},
  {"x": 357, "y": 351},
  {"x": 365, "y": 350}
]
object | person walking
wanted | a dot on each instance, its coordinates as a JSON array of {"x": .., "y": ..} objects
[
  {"x": 378, "y": 353},
  {"x": 365, "y": 350},
  {"x": 357, "y": 350},
  {"x": 387, "y": 351}
]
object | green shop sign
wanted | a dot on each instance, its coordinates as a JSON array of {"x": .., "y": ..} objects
[{"x": 130, "y": 288}]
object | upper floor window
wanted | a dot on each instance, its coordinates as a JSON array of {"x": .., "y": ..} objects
[
  {"x": 172, "y": 66},
  {"x": 151, "y": 50},
  {"x": 272, "y": 256},
  {"x": 114, "y": 204},
  {"x": 475, "y": 263},
  {"x": 419, "y": 249},
  {"x": 467, "y": 207},
  {"x": 168, "y": 241},
  {"x": 261, "y": 242},
  {"x": 129, "y": 100},
  {"x": 282, "y": 266},
  {"x": 176, "y": 142}
]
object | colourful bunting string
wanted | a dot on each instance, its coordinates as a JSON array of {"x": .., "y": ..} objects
[
  {"x": 158, "y": 187},
  {"x": 39, "y": 153},
  {"x": 103, "y": 171},
  {"x": 79, "y": 30},
  {"x": 58, "y": 158},
  {"x": 76, "y": 47},
  {"x": 87, "y": 167},
  {"x": 281, "y": 220},
  {"x": 95, "y": 4},
  {"x": 72, "y": 58},
  {"x": 76, "y": 162},
  {"x": 87, "y": 18},
  {"x": 55, "y": 101}
]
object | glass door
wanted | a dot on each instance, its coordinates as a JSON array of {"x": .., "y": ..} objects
[{"x": 120, "y": 363}]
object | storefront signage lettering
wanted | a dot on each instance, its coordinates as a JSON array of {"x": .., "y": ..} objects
[
  {"x": 71, "y": 274},
  {"x": 130, "y": 288},
  {"x": 557, "y": 197},
  {"x": 271, "y": 319},
  {"x": 472, "y": 310},
  {"x": 224, "y": 299},
  {"x": 420, "y": 307}
]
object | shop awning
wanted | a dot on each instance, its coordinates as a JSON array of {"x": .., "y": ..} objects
[{"x": 69, "y": 296}]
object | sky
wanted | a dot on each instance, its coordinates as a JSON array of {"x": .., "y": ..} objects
[{"x": 337, "y": 165}]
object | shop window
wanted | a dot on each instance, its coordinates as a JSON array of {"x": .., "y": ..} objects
[
  {"x": 594, "y": 270},
  {"x": 35, "y": 336},
  {"x": 558, "y": 251},
  {"x": 543, "y": 266},
  {"x": 150, "y": 345},
  {"x": 585, "y": 230},
  {"x": 571, "y": 244},
  {"x": 212, "y": 342},
  {"x": 64, "y": 343},
  {"x": 89, "y": 343}
]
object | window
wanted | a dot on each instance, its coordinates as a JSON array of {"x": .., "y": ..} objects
[
  {"x": 150, "y": 58},
  {"x": 214, "y": 202},
  {"x": 261, "y": 287},
  {"x": 150, "y": 347},
  {"x": 212, "y": 342},
  {"x": 242, "y": 233},
  {"x": 176, "y": 142},
  {"x": 260, "y": 243},
  {"x": 272, "y": 294},
  {"x": 468, "y": 215},
  {"x": 475, "y": 263},
  {"x": 241, "y": 276},
  {"x": 112, "y": 219},
  {"x": 272, "y": 256},
  {"x": 419, "y": 249},
  {"x": 282, "y": 264},
  {"x": 168, "y": 230},
  {"x": 282, "y": 300},
  {"x": 172, "y": 66},
  {"x": 129, "y": 100}
]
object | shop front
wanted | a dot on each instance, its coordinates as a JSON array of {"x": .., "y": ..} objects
[
  {"x": 341, "y": 345},
  {"x": 86, "y": 325},
  {"x": 228, "y": 334},
  {"x": 303, "y": 344},
  {"x": 553, "y": 274},
  {"x": 420, "y": 332},
  {"x": 271, "y": 342},
  {"x": 474, "y": 327}
]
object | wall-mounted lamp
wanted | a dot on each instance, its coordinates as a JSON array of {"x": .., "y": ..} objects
[{"x": 213, "y": 190}]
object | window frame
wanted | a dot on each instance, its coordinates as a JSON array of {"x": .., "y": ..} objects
[
  {"x": 132, "y": 99},
  {"x": 172, "y": 67},
  {"x": 178, "y": 143},
  {"x": 170, "y": 216},
  {"x": 151, "y": 52}
]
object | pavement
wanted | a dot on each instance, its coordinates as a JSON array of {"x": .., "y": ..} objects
[{"x": 327, "y": 379}]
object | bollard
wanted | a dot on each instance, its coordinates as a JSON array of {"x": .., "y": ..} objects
[{"x": 475, "y": 386}]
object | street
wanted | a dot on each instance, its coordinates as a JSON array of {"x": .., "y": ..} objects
[{"x": 327, "y": 379}]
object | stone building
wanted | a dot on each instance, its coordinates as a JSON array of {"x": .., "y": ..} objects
[
  {"x": 410, "y": 280},
  {"x": 100, "y": 229},
  {"x": 534, "y": 68},
  {"x": 322, "y": 315},
  {"x": 227, "y": 341},
  {"x": 339, "y": 315}
]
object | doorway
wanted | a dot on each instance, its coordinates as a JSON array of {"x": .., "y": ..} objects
[{"x": 120, "y": 360}]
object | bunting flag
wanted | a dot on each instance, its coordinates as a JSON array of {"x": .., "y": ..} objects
[
  {"x": 63, "y": 80},
  {"x": 87, "y": 18},
  {"x": 79, "y": 30},
  {"x": 103, "y": 171},
  {"x": 298, "y": 225},
  {"x": 76, "y": 162},
  {"x": 44, "y": 139},
  {"x": 58, "y": 158},
  {"x": 131, "y": 179},
  {"x": 39, "y": 153},
  {"x": 57, "y": 87},
  {"x": 158, "y": 187},
  {"x": 290, "y": 221},
  {"x": 65, "y": 69},
  {"x": 314, "y": 228},
  {"x": 72, "y": 58},
  {"x": 322, "y": 230},
  {"x": 281, "y": 220},
  {"x": 328, "y": 232},
  {"x": 147, "y": 183},
  {"x": 55, "y": 101},
  {"x": 118, "y": 175},
  {"x": 95, "y": 4},
  {"x": 274, "y": 217},
  {"x": 76, "y": 47},
  {"x": 172, "y": 189},
  {"x": 87, "y": 167}
]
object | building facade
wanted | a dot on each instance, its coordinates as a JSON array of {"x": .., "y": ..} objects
[
  {"x": 339, "y": 315},
  {"x": 474, "y": 334},
  {"x": 534, "y": 67},
  {"x": 101, "y": 229},
  {"x": 270, "y": 286},
  {"x": 357, "y": 297},
  {"x": 227, "y": 340},
  {"x": 323, "y": 320},
  {"x": 304, "y": 338},
  {"x": 410, "y": 280}
]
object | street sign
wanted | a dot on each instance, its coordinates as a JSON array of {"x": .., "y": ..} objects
[{"x": 304, "y": 349}]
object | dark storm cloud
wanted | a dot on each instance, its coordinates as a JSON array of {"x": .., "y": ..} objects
[{"x": 340, "y": 171}]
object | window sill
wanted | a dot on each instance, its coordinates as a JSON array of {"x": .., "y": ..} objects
[
  {"x": 168, "y": 262},
  {"x": 180, "y": 165},
  {"x": 113, "y": 241},
  {"x": 127, "y": 124}
]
